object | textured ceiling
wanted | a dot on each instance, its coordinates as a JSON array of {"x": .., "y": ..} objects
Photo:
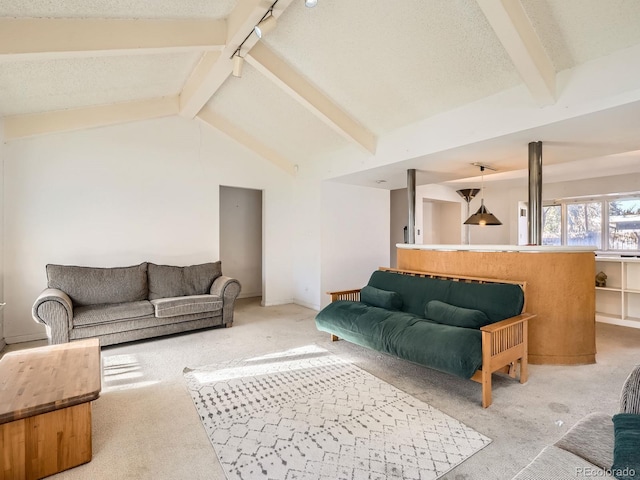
[
  {"x": 391, "y": 66},
  {"x": 31, "y": 87},
  {"x": 117, "y": 8},
  {"x": 576, "y": 31},
  {"x": 261, "y": 108},
  {"x": 387, "y": 64}
]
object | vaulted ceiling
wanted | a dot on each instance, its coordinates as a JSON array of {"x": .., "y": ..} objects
[{"x": 346, "y": 79}]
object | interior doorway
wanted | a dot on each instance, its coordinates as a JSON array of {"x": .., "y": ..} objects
[
  {"x": 441, "y": 222},
  {"x": 241, "y": 237}
]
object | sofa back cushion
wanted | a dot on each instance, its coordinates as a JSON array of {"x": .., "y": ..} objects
[
  {"x": 169, "y": 281},
  {"x": 416, "y": 292},
  {"x": 94, "y": 286},
  {"x": 455, "y": 316},
  {"x": 497, "y": 300},
  {"x": 380, "y": 298}
]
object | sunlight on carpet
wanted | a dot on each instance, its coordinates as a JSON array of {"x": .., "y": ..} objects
[
  {"x": 306, "y": 414},
  {"x": 123, "y": 372}
]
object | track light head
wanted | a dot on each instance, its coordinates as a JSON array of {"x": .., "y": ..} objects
[
  {"x": 265, "y": 26},
  {"x": 238, "y": 63}
]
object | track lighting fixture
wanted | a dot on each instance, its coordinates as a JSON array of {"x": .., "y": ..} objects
[
  {"x": 238, "y": 63},
  {"x": 266, "y": 25},
  {"x": 310, "y": 3},
  {"x": 482, "y": 216}
]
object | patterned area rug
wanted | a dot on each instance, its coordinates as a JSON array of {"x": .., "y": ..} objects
[{"x": 305, "y": 414}]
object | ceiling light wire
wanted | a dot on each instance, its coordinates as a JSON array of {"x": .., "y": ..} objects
[{"x": 482, "y": 217}]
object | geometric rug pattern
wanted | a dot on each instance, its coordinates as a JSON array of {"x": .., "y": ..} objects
[{"x": 307, "y": 415}]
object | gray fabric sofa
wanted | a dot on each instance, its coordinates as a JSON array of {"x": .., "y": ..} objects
[
  {"x": 132, "y": 303},
  {"x": 587, "y": 449}
]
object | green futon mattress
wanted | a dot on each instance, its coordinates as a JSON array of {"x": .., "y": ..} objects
[{"x": 453, "y": 350}]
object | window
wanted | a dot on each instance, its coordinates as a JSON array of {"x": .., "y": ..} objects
[
  {"x": 624, "y": 225},
  {"x": 552, "y": 225},
  {"x": 607, "y": 223},
  {"x": 584, "y": 224}
]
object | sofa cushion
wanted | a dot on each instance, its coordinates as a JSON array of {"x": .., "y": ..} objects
[
  {"x": 175, "y": 306},
  {"x": 497, "y": 300},
  {"x": 94, "y": 286},
  {"x": 381, "y": 298},
  {"x": 416, "y": 292},
  {"x": 626, "y": 452},
  {"x": 95, "y": 314},
  {"x": 167, "y": 281},
  {"x": 592, "y": 439},
  {"x": 456, "y": 316},
  {"x": 449, "y": 349}
]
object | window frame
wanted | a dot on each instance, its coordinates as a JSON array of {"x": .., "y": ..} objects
[{"x": 604, "y": 201}]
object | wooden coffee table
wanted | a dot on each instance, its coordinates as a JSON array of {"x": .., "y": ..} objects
[{"x": 45, "y": 408}]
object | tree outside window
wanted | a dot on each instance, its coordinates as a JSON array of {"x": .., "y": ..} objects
[
  {"x": 624, "y": 224},
  {"x": 584, "y": 224},
  {"x": 552, "y": 225}
]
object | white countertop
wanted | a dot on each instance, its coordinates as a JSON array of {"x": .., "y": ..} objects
[{"x": 497, "y": 248}]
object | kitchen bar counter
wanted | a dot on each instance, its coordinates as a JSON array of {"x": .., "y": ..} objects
[{"x": 560, "y": 290}]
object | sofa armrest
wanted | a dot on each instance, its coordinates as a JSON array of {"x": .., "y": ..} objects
[
  {"x": 630, "y": 396},
  {"x": 227, "y": 289},
  {"x": 54, "y": 309},
  {"x": 353, "y": 295}
]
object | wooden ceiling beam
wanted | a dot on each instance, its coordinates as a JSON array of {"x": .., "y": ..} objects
[
  {"x": 514, "y": 30},
  {"x": 206, "y": 79},
  {"x": 21, "y": 126},
  {"x": 278, "y": 71},
  {"x": 45, "y": 38},
  {"x": 243, "y": 138}
]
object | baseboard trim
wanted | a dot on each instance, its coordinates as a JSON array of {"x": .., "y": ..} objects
[
  {"x": 302, "y": 303},
  {"x": 617, "y": 321},
  {"x": 250, "y": 295},
  {"x": 25, "y": 338},
  {"x": 276, "y": 302}
]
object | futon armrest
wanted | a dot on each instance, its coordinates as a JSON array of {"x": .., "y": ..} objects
[
  {"x": 353, "y": 295},
  {"x": 508, "y": 322},
  {"x": 54, "y": 308}
]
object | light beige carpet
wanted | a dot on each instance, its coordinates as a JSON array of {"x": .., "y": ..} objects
[
  {"x": 308, "y": 415},
  {"x": 145, "y": 425}
]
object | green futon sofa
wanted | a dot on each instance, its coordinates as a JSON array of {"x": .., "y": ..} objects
[{"x": 464, "y": 326}]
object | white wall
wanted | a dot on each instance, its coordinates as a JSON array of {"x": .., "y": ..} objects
[
  {"x": 2, "y": 155},
  {"x": 241, "y": 237},
  {"x": 129, "y": 193},
  {"x": 450, "y": 222},
  {"x": 307, "y": 244},
  {"x": 355, "y": 235}
]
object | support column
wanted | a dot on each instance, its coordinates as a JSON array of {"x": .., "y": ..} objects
[
  {"x": 411, "y": 201},
  {"x": 534, "y": 219}
]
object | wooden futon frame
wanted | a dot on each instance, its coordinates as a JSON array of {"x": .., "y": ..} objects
[{"x": 504, "y": 343}]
